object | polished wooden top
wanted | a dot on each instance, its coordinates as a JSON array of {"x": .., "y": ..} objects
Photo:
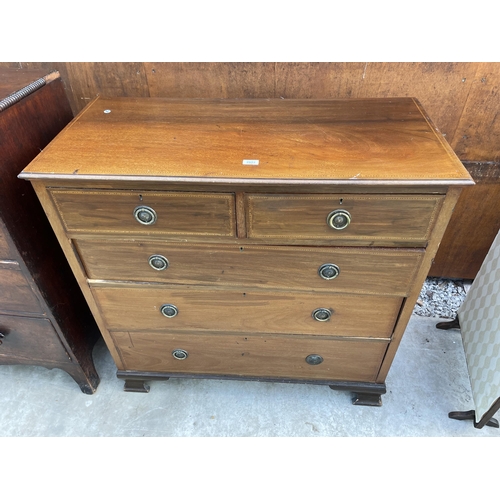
[{"x": 348, "y": 141}]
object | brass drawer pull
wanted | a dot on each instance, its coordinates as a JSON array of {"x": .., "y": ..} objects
[
  {"x": 322, "y": 314},
  {"x": 158, "y": 262},
  {"x": 314, "y": 359},
  {"x": 329, "y": 271},
  {"x": 179, "y": 354},
  {"x": 169, "y": 310},
  {"x": 145, "y": 215},
  {"x": 338, "y": 219}
]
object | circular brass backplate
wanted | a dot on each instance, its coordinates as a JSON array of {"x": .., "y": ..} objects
[
  {"x": 314, "y": 359},
  {"x": 329, "y": 271},
  {"x": 322, "y": 314},
  {"x": 169, "y": 310},
  {"x": 179, "y": 354},
  {"x": 145, "y": 215},
  {"x": 158, "y": 262},
  {"x": 338, "y": 219}
]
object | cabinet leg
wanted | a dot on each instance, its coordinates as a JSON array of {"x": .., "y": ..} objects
[
  {"x": 448, "y": 325},
  {"x": 134, "y": 385},
  {"x": 87, "y": 379},
  {"x": 364, "y": 393},
  {"x": 471, "y": 415},
  {"x": 136, "y": 381}
]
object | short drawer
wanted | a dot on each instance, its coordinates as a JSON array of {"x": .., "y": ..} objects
[
  {"x": 16, "y": 294},
  {"x": 263, "y": 356},
  {"x": 210, "y": 309},
  {"x": 403, "y": 220},
  {"x": 145, "y": 212},
  {"x": 29, "y": 338},
  {"x": 365, "y": 270}
]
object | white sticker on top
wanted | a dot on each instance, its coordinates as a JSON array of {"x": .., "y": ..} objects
[{"x": 250, "y": 162}]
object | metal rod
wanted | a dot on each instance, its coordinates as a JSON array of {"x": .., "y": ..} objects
[{"x": 12, "y": 99}]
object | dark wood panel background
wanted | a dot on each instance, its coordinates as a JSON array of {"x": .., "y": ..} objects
[
  {"x": 462, "y": 99},
  {"x": 473, "y": 226}
]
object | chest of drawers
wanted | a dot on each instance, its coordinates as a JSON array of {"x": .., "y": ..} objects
[
  {"x": 44, "y": 319},
  {"x": 278, "y": 240}
]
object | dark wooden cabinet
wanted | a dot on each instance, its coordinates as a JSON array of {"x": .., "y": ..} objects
[{"x": 44, "y": 319}]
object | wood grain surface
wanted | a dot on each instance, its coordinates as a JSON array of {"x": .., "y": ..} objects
[
  {"x": 220, "y": 80},
  {"x": 5, "y": 251},
  {"x": 251, "y": 355},
  {"x": 473, "y": 226},
  {"x": 374, "y": 271},
  {"x": 15, "y": 291},
  {"x": 31, "y": 339},
  {"x": 12, "y": 81},
  {"x": 375, "y": 219},
  {"x": 478, "y": 133},
  {"x": 462, "y": 97},
  {"x": 335, "y": 140},
  {"x": 219, "y": 309},
  {"x": 177, "y": 213}
]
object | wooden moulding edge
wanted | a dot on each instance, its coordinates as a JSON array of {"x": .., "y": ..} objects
[
  {"x": 364, "y": 387},
  {"x": 248, "y": 181}
]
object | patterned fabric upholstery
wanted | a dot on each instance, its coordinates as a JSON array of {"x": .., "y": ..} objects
[{"x": 479, "y": 318}]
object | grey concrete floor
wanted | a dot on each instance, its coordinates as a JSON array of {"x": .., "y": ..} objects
[{"x": 428, "y": 379}]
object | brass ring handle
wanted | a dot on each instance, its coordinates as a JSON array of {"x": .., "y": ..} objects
[
  {"x": 338, "y": 219},
  {"x": 329, "y": 271},
  {"x": 314, "y": 359},
  {"x": 145, "y": 215},
  {"x": 322, "y": 314},
  {"x": 180, "y": 354},
  {"x": 169, "y": 310},
  {"x": 158, "y": 262}
]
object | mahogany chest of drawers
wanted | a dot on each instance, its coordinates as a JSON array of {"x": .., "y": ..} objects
[
  {"x": 44, "y": 319},
  {"x": 282, "y": 240}
]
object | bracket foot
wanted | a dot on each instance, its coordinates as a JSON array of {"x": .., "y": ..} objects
[
  {"x": 135, "y": 386},
  {"x": 366, "y": 399}
]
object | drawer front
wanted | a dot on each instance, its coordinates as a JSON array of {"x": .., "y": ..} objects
[
  {"x": 162, "y": 213},
  {"x": 16, "y": 294},
  {"x": 251, "y": 355},
  {"x": 404, "y": 220},
  {"x": 30, "y": 338},
  {"x": 358, "y": 270},
  {"x": 210, "y": 309}
]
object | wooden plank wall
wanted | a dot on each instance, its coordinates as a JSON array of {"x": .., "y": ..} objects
[
  {"x": 463, "y": 100},
  {"x": 473, "y": 226}
]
